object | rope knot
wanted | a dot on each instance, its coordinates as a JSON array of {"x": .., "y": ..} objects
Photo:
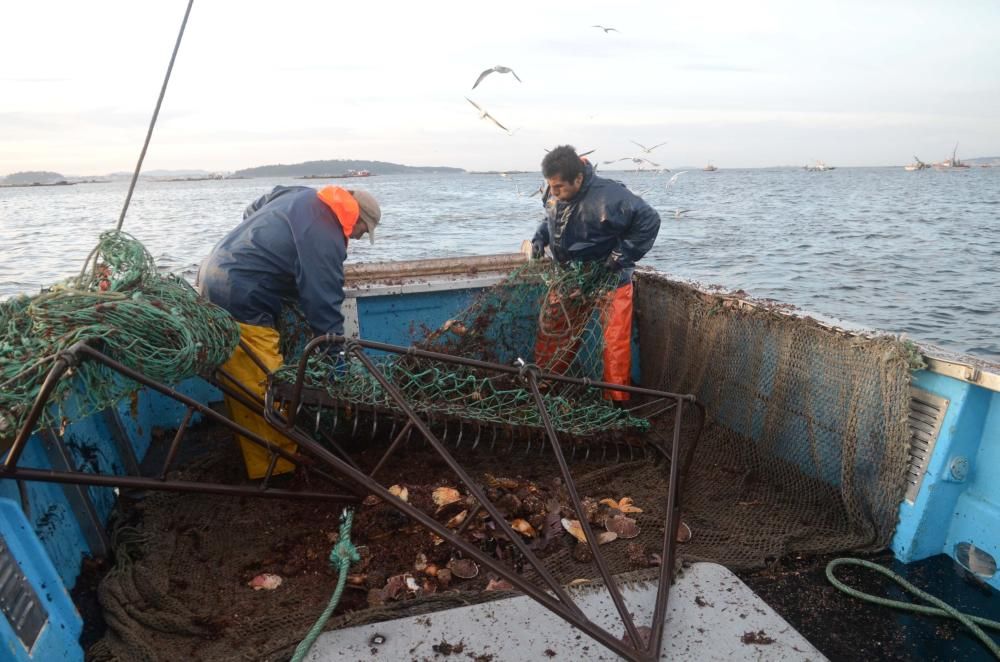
[{"x": 344, "y": 553}]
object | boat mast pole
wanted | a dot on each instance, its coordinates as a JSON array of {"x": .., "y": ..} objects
[{"x": 156, "y": 113}]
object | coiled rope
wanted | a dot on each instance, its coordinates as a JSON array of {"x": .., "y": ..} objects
[{"x": 940, "y": 608}]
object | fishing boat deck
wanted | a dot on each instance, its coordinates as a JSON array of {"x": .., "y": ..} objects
[{"x": 787, "y": 610}]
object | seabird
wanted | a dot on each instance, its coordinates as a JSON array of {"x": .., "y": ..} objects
[
  {"x": 500, "y": 69},
  {"x": 648, "y": 150},
  {"x": 486, "y": 116},
  {"x": 680, "y": 212},
  {"x": 589, "y": 151},
  {"x": 673, "y": 180},
  {"x": 606, "y": 30},
  {"x": 634, "y": 159}
]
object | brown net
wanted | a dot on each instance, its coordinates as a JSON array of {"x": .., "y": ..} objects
[
  {"x": 179, "y": 589},
  {"x": 806, "y": 445}
]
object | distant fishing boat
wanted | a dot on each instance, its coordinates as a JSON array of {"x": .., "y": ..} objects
[
  {"x": 916, "y": 165},
  {"x": 953, "y": 163},
  {"x": 819, "y": 166},
  {"x": 710, "y": 168}
]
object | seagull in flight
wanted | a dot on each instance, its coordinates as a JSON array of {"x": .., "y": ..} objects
[
  {"x": 500, "y": 69},
  {"x": 537, "y": 191},
  {"x": 486, "y": 116},
  {"x": 606, "y": 30},
  {"x": 589, "y": 151},
  {"x": 673, "y": 180},
  {"x": 647, "y": 150},
  {"x": 680, "y": 212},
  {"x": 634, "y": 159}
]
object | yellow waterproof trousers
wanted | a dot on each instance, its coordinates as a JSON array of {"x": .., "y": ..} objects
[{"x": 263, "y": 342}]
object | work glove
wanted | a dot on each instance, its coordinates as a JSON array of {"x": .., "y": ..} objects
[
  {"x": 612, "y": 264},
  {"x": 537, "y": 250}
]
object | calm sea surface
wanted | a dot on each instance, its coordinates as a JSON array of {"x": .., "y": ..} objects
[{"x": 915, "y": 253}]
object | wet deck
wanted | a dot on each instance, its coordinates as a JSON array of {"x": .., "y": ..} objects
[{"x": 712, "y": 615}]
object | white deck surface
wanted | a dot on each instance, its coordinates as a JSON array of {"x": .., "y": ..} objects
[{"x": 709, "y": 612}]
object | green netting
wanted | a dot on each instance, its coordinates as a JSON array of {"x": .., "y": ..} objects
[
  {"x": 156, "y": 324},
  {"x": 544, "y": 312}
]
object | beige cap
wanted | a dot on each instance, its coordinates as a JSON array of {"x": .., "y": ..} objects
[{"x": 371, "y": 213}]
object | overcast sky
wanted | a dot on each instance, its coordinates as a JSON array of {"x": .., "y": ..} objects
[{"x": 740, "y": 84}]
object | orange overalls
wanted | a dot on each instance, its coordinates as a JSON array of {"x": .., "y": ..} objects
[{"x": 561, "y": 323}]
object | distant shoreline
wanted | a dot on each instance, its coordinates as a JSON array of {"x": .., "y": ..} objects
[{"x": 36, "y": 184}]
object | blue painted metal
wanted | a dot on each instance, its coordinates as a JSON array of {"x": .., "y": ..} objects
[
  {"x": 58, "y": 640},
  {"x": 89, "y": 442},
  {"x": 403, "y": 318},
  {"x": 950, "y": 508}
]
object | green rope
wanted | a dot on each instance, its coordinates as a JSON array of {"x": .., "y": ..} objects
[
  {"x": 343, "y": 554},
  {"x": 941, "y": 607}
]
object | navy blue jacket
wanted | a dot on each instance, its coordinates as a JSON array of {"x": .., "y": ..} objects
[
  {"x": 603, "y": 219},
  {"x": 290, "y": 245}
]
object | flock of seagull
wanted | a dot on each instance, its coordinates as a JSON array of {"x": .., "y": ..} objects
[
  {"x": 500, "y": 69},
  {"x": 638, "y": 161}
]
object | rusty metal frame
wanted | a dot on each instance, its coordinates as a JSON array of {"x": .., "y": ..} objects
[
  {"x": 69, "y": 475},
  {"x": 552, "y": 596}
]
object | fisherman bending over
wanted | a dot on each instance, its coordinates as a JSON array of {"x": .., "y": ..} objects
[
  {"x": 291, "y": 244},
  {"x": 593, "y": 219}
]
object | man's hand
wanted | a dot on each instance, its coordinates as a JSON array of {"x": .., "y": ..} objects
[
  {"x": 537, "y": 250},
  {"x": 612, "y": 264}
]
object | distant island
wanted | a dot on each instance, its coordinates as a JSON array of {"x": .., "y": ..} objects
[
  {"x": 323, "y": 168},
  {"x": 34, "y": 178}
]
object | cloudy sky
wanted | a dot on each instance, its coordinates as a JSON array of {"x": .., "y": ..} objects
[{"x": 739, "y": 84}]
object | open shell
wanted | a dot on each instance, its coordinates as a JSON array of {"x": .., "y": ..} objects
[
  {"x": 625, "y": 527},
  {"x": 463, "y": 568},
  {"x": 524, "y": 528},
  {"x": 444, "y": 495}
]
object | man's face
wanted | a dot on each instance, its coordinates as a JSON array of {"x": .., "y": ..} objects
[
  {"x": 562, "y": 189},
  {"x": 360, "y": 228}
]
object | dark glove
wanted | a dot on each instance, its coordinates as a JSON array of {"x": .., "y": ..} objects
[
  {"x": 612, "y": 264},
  {"x": 537, "y": 250}
]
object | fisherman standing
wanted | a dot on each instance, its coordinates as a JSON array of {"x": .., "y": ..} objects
[
  {"x": 593, "y": 219},
  {"x": 291, "y": 245}
]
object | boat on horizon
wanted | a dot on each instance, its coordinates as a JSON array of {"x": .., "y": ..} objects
[
  {"x": 916, "y": 165},
  {"x": 819, "y": 166},
  {"x": 953, "y": 163},
  {"x": 710, "y": 168}
]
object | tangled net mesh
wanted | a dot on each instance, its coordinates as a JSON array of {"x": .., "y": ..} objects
[
  {"x": 553, "y": 313},
  {"x": 154, "y": 323}
]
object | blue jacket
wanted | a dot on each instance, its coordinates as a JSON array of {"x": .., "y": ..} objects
[
  {"x": 290, "y": 245},
  {"x": 603, "y": 219}
]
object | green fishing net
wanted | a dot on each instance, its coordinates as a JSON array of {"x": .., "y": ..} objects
[
  {"x": 119, "y": 304},
  {"x": 543, "y": 313}
]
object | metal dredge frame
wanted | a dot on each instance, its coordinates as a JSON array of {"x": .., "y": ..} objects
[{"x": 553, "y": 596}]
